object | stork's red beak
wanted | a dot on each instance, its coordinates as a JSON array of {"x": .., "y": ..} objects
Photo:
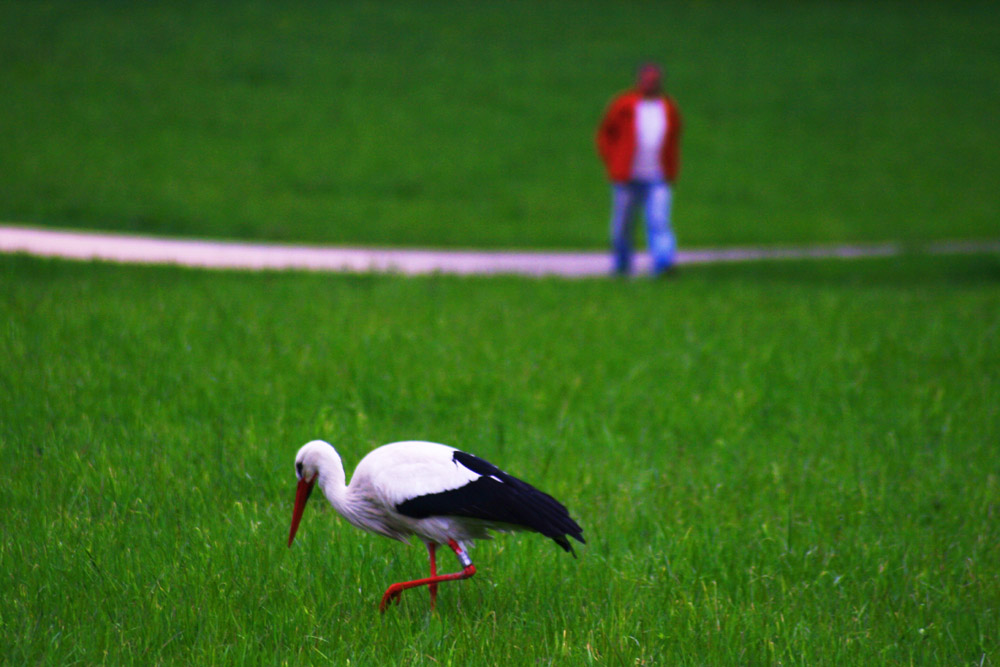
[{"x": 301, "y": 497}]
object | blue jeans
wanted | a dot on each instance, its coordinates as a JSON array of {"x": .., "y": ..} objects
[{"x": 656, "y": 198}]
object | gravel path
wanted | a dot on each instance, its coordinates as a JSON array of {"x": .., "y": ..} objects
[{"x": 124, "y": 248}]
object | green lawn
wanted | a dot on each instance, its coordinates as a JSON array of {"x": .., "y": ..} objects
[
  {"x": 776, "y": 462},
  {"x": 790, "y": 463},
  {"x": 469, "y": 124}
]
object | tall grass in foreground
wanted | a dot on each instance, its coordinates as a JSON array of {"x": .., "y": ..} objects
[
  {"x": 403, "y": 124},
  {"x": 781, "y": 463}
]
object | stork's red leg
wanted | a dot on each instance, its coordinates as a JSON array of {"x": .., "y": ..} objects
[
  {"x": 395, "y": 591},
  {"x": 433, "y": 587}
]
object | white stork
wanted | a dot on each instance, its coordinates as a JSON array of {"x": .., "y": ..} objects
[{"x": 438, "y": 493}]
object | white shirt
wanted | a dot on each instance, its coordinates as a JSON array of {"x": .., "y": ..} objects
[{"x": 650, "y": 130}]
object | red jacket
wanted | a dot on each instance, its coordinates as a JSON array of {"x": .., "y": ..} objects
[{"x": 616, "y": 138}]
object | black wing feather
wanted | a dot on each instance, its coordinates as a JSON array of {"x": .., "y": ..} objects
[{"x": 500, "y": 498}]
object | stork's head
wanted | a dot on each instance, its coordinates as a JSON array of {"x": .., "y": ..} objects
[{"x": 307, "y": 464}]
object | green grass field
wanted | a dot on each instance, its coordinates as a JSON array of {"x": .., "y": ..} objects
[
  {"x": 406, "y": 123},
  {"x": 774, "y": 463},
  {"x": 785, "y": 463}
]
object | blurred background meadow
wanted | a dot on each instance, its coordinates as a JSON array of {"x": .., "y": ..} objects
[
  {"x": 779, "y": 462},
  {"x": 420, "y": 123}
]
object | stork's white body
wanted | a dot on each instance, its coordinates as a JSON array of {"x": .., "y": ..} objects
[{"x": 391, "y": 475}]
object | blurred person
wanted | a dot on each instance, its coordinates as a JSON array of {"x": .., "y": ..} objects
[{"x": 639, "y": 142}]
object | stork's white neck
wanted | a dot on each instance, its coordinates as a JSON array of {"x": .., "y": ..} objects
[{"x": 333, "y": 481}]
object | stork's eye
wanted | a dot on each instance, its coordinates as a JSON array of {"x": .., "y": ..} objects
[{"x": 298, "y": 469}]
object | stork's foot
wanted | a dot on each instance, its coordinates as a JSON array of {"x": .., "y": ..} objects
[{"x": 393, "y": 594}]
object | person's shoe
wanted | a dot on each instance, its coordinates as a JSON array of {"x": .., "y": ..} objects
[{"x": 667, "y": 273}]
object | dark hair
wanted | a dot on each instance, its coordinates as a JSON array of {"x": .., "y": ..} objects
[{"x": 648, "y": 64}]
